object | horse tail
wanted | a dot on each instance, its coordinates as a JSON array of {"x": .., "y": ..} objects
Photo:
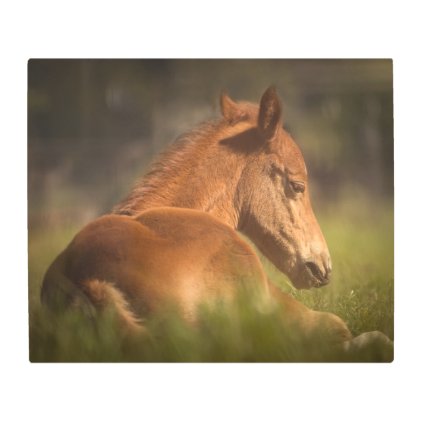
[
  {"x": 59, "y": 293},
  {"x": 105, "y": 295}
]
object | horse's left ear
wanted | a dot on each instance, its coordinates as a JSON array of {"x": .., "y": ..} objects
[
  {"x": 230, "y": 109},
  {"x": 269, "y": 113}
]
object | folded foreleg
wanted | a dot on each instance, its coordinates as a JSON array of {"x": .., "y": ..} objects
[{"x": 373, "y": 346}]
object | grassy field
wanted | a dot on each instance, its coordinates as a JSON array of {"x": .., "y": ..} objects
[{"x": 361, "y": 292}]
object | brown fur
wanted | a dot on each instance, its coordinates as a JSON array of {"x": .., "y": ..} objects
[{"x": 174, "y": 239}]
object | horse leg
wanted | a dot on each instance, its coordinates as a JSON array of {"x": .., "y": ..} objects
[
  {"x": 59, "y": 293},
  {"x": 324, "y": 325},
  {"x": 371, "y": 346}
]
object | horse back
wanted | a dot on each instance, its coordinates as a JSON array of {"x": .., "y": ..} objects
[{"x": 161, "y": 256}]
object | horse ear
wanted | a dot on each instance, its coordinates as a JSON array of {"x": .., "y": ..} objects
[
  {"x": 269, "y": 112},
  {"x": 230, "y": 109}
]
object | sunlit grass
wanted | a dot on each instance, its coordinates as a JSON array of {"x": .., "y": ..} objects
[
  {"x": 361, "y": 292},
  {"x": 361, "y": 243}
]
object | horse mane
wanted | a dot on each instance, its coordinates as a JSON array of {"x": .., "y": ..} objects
[
  {"x": 157, "y": 186},
  {"x": 167, "y": 166}
]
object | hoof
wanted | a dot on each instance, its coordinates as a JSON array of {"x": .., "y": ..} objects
[{"x": 373, "y": 346}]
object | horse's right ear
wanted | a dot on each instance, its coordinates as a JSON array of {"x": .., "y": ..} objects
[{"x": 230, "y": 109}]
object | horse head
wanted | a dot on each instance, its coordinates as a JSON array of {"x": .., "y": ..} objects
[{"x": 272, "y": 194}]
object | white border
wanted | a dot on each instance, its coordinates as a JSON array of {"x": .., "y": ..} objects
[{"x": 358, "y": 29}]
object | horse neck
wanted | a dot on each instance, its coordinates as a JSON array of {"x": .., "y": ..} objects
[{"x": 199, "y": 174}]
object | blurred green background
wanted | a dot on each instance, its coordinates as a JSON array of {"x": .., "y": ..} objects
[{"x": 95, "y": 125}]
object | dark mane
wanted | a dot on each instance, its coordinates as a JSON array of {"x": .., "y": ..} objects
[{"x": 167, "y": 166}]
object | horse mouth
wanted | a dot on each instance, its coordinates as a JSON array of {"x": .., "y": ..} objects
[{"x": 320, "y": 283}]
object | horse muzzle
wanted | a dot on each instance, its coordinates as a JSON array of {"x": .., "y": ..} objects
[
  {"x": 311, "y": 274},
  {"x": 320, "y": 274}
]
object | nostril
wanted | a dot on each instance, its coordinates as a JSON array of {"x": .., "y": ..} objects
[
  {"x": 316, "y": 272},
  {"x": 314, "y": 269}
]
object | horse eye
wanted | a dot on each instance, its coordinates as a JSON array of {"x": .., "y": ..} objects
[{"x": 297, "y": 187}]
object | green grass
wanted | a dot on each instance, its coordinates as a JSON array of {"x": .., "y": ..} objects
[{"x": 361, "y": 292}]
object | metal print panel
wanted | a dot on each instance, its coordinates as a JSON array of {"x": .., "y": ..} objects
[{"x": 210, "y": 210}]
